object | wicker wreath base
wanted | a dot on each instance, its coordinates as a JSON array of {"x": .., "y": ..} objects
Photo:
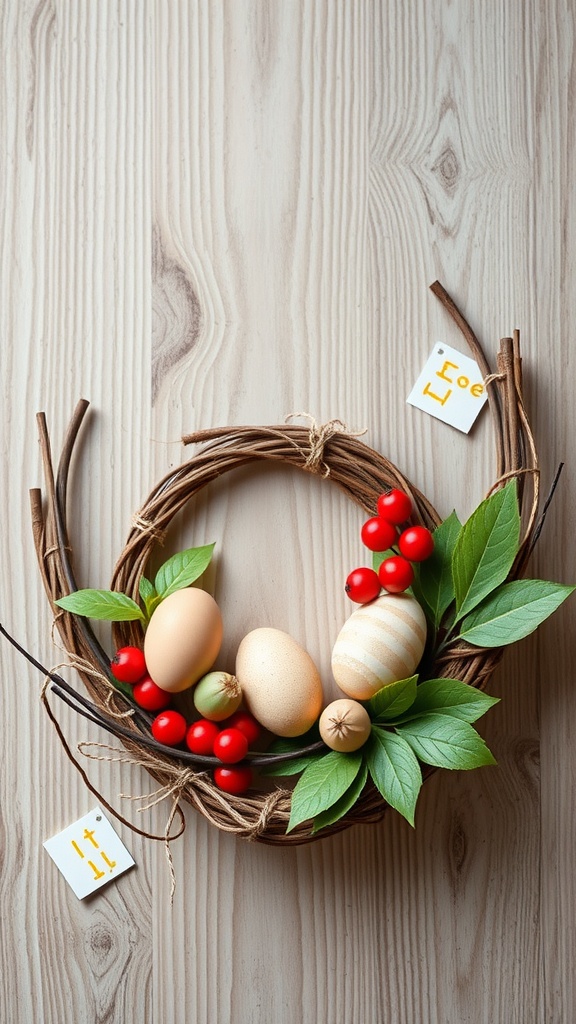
[{"x": 363, "y": 474}]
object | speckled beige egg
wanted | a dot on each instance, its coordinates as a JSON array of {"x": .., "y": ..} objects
[
  {"x": 183, "y": 639},
  {"x": 280, "y": 683},
  {"x": 381, "y": 642}
]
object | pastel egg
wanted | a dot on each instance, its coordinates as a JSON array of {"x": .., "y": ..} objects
[
  {"x": 280, "y": 683},
  {"x": 381, "y": 642},
  {"x": 183, "y": 639}
]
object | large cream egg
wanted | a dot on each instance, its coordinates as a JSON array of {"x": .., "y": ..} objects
[
  {"x": 279, "y": 681},
  {"x": 381, "y": 642},
  {"x": 183, "y": 639}
]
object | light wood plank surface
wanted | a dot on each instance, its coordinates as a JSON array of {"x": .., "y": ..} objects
[{"x": 227, "y": 211}]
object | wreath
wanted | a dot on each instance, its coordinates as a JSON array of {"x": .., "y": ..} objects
[{"x": 471, "y": 594}]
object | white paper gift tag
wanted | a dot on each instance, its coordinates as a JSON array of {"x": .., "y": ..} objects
[
  {"x": 450, "y": 388},
  {"x": 89, "y": 853}
]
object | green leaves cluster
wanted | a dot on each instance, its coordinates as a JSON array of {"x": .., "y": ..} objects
[
  {"x": 411, "y": 723},
  {"x": 179, "y": 571},
  {"x": 463, "y": 587}
]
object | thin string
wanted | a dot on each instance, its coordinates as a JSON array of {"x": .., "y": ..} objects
[
  {"x": 86, "y": 667},
  {"x": 105, "y": 803},
  {"x": 511, "y": 475},
  {"x": 55, "y": 550}
]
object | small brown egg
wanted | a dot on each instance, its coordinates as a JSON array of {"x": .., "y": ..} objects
[
  {"x": 183, "y": 639},
  {"x": 345, "y": 725}
]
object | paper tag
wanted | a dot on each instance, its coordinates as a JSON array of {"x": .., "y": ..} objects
[
  {"x": 89, "y": 853},
  {"x": 450, "y": 388}
]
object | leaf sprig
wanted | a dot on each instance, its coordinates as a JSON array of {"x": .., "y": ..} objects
[
  {"x": 463, "y": 587},
  {"x": 179, "y": 571},
  {"x": 411, "y": 723}
]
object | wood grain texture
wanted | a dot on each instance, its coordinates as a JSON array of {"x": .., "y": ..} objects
[{"x": 228, "y": 211}]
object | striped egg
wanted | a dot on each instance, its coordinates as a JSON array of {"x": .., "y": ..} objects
[{"x": 381, "y": 642}]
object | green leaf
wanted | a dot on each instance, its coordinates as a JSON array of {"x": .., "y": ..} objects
[
  {"x": 394, "y": 770},
  {"x": 182, "y": 569},
  {"x": 146, "y": 589},
  {"x": 512, "y": 612},
  {"x": 343, "y": 805},
  {"x": 433, "y": 585},
  {"x": 147, "y": 592},
  {"x": 102, "y": 604},
  {"x": 446, "y": 742},
  {"x": 486, "y": 548},
  {"x": 322, "y": 784},
  {"x": 451, "y": 697},
  {"x": 394, "y": 699}
]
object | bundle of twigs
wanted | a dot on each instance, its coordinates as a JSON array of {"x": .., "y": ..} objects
[{"x": 362, "y": 473}]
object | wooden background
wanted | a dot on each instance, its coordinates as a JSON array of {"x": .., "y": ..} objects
[{"x": 225, "y": 211}]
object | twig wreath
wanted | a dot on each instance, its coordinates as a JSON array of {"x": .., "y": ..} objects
[{"x": 472, "y": 594}]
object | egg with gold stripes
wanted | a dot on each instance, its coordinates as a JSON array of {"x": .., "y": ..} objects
[{"x": 381, "y": 642}]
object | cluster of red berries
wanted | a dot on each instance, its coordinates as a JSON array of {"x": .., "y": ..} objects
[
  {"x": 129, "y": 666},
  {"x": 380, "y": 533},
  {"x": 229, "y": 741}
]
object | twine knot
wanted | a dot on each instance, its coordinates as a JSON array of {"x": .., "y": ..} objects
[
  {"x": 146, "y": 526},
  {"x": 268, "y": 808},
  {"x": 318, "y": 437}
]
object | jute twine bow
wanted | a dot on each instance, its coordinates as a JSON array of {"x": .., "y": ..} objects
[
  {"x": 318, "y": 437},
  {"x": 181, "y": 778},
  {"x": 175, "y": 788}
]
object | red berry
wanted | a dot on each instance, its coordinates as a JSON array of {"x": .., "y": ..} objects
[
  {"x": 230, "y": 745},
  {"x": 396, "y": 574},
  {"x": 128, "y": 665},
  {"x": 169, "y": 727},
  {"x": 416, "y": 543},
  {"x": 201, "y": 735},
  {"x": 149, "y": 696},
  {"x": 362, "y": 585},
  {"x": 378, "y": 534},
  {"x": 246, "y": 723},
  {"x": 233, "y": 780},
  {"x": 395, "y": 506}
]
